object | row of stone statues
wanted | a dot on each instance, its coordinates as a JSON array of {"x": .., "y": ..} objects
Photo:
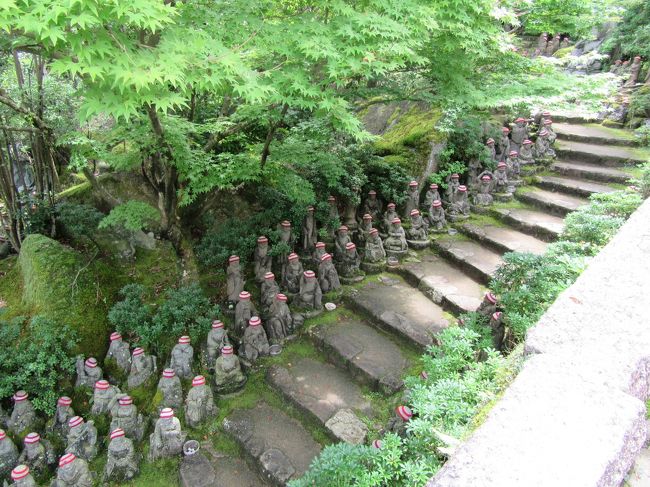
[{"x": 630, "y": 72}]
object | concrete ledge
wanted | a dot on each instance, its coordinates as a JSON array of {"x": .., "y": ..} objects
[{"x": 575, "y": 415}]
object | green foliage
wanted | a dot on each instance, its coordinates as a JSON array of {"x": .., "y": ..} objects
[
  {"x": 590, "y": 229},
  {"x": 632, "y": 33},
  {"x": 133, "y": 215},
  {"x": 35, "y": 357},
  {"x": 640, "y": 104},
  {"x": 78, "y": 220},
  {"x": 643, "y": 181},
  {"x": 573, "y": 17},
  {"x": 131, "y": 316}
]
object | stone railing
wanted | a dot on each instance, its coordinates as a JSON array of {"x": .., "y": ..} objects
[{"x": 575, "y": 414}]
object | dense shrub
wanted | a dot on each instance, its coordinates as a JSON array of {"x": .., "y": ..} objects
[
  {"x": 78, "y": 220},
  {"x": 643, "y": 181}
]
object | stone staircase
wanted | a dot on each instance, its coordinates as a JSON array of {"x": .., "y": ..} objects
[{"x": 387, "y": 320}]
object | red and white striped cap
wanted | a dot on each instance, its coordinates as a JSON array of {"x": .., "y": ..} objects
[
  {"x": 67, "y": 459},
  {"x": 513, "y": 153},
  {"x": 255, "y": 321},
  {"x": 91, "y": 362},
  {"x": 343, "y": 228},
  {"x": 544, "y": 133},
  {"x": 491, "y": 298},
  {"x": 64, "y": 401},
  {"x": 433, "y": 186},
  {"x": 75, "y": 421},
  {"x": 496, "y": 316},
  {"x": 501, "y": 165},
  {"x": 462, "y": 188},
  {"x": 217, "y": 324},
  {"x": 20, "y": 472},
  {"x": 548, "y": 121},
  {"x": 520, "y": 119},
  {"x": 32, "y": 438},
  {"x": 102, "y": 385},
  {"x": 350, "y": 246},
  {"x": 391, "y": 205},
  {"x": 310, "y": 208},
  {"x": 184, "y": 340},
  {"x": 415, "y": 212},
  {"x": 115, "y": 336},
  {"x": 505, "y": 129},
  {"x": 367, "y": 216},
  {"x": 20, "y": 396},
  {"x": 413, "y": 183},
  {"x": 269, "y": 275},
  {"x": 167, "y": 413},
  {"x": 233, "y": 258},
  {"x": 373, "y": 231},
  {"x": 199, "y": 380},
  {"x": 281, "y": 297},
  {"x": 244, "y": 295},
  {"x": 292, "y": 256},
  {"x": 3, "y": 435},
  {"x": 396, "y": 221},
  {"x": 262, "y": 239},
  {"x": 227, "y": 350},
  {"x": 490, "y": 141},
  {"x": 376, "y": 444},
  {"x": 527, "y": 142},
  {"x": 117, "y": 432},
  {"x": 326, "y": 257},
  {"x": 546, "y": 113},
  {"x": 404, "y": 412},
  {"x": 437, "y": 203},
  {"x": 138, "y": 351},
  {"x": 331, "y": 198},
  {"x": 169, "y": 373},
  {"x": 125, "y": 401},
  {"x": 286, "y": 223},
  {"x": 486, "y": 177},
  {"x": 455, "y": 176},
  {"x": 372, "y": 191},
  {"x": 309, "y": 274},
  {"x": 319, "y": 245}
]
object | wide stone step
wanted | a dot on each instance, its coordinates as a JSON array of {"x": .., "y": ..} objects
[
  {"x": 504, "y": 239},
  {"x": 478, "y": 261},
  {"x": 399, "y": 308},
  {"x": 321, "y": 391},
  {"x": 443, "y": 283},
  {"x": 537, "y": 223},
  {"x": 607, "y": 155},
  {"x": 276, "y": 444},
  {"x": 594, "y": 134},
  {"x": 370, "y": 356},
  {"x": 577, "y": 187},
  {"x": 573, "y": 118},
  {"x": 557, "y": 203},
  {"x": 591, "y": 171},
  {"x": 230, "y": 470}
]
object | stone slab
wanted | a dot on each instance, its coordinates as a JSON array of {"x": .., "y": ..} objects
[
  {"x": 318, "y": 389},
  {"x": 577, "y": 187},
  {"x": 368, "y": 354},
  {"x": 443, "y": 283},
  {"x": 594, "y": 134},
  {"x": 278, "y": 445},
  {"x": 542, "y": 225},
  {"x": 608, "y": 155},
  {"x": 504, "y": 239},
  {"x": 590, "y": 171},
  {"x": 399, "y": 308},
  {"x": 197, "y": 472},
  {"x": 479, "y": 262},
  {"x": 556, "y": 203},
  {"x": 232, "y": 471},
  {"x": 347, "y": 427}
]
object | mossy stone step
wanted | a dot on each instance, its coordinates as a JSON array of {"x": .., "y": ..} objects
[
  {"x": 503, "y": 239},
  {"x": 576, "y": 187},
  {"x": 607, "y": 155},
  {"x": 594, "y": 134},
  {"x": 478, "y": 261},
  {"x": 590, "y": 171},
  {"x": 556, "y": 203},
  {"x": 537, "y": 223},
  {"x": 231, "y": 470}
]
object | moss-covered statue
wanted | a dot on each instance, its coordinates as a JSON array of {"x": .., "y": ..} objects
[
  {"x": 255, "y": 343},
  {"x": 263, "y": 261},
  {"x": 374, "y": 251},
  {"x": 519, "y": 134},
  {"x": 243, "y": 312},
  {"x": 167, "y": 438},
  {"x": 280, "y": 323},
  {"x": 310, "y": 295},
  {"x": 396, "y": 241},
  {"x": 23, "y": 416},
  {"x": 234, "y": 279},
  {"x": 182, "y": 357},
  {"x": 399, "y": 422},
  {"x": 88, "y": 372},
  {"x": 171, "y": 390},
  {"x": 72, "y": 472},
  {"x": 63, "y": 413},
  {"x": 430, "y": 196},
  {"x": 364, "y": 228},
  {"x": 119, "y": 352},
  {"x": 125, "y": 416},
  {"x": 389, "y": 216},
  {"x": 372, "y": 205},
  {"x": 104, "y": 397},
  {"x": 22, "y": 477},
  {"x": 37, "y": 454},
  {"x": 501, "y": 184},
  {"x": 453, "y": 181},
  {"x": 459, "y": 207},
  {"x": 291, "y": 275},
  {"x": 349, "y": 265},
  {"x": 228, "y": 376},
  {"x": 309, "y": 231},
  {"x": 436, "y": 217},
  {"x": 483, "y": 196},
  {"x": 199, "y": 403},
  {"x": 526, "y": 153},
  {"x": 143, "y": 367},
  {"x": 217, "y": 339},
  {"x": 412, "y": 198},
  {"x": 82, "y": 438},
  {"x": 419, "y": 228},
  {"x": 503, "y": 145},
  {"x": 8, "y": 454},
  {"x": 269, "y": 289},
  {"x": 328, "y": 276},
  {"x": 122, "y": 460},
  {"x": 319, "y": 251},
  {"x": 342, "y": 239}
]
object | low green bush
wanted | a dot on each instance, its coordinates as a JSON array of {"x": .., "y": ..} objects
[{"x": 643, "y": 181}]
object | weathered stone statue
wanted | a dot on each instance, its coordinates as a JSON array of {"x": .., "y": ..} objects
[
  {"x": 372, "y": 205},
  {"x": 22, "y": 477},
  {"x": 8, "y": 454},
  {"x": 82, "y": 438},
  {"x": 519, "y": 134},
  {"x": 473, "y": 168},
  {"x": 280, "y": 323},
  {"x": 328, "y": 277},
  {"x": 62, "y": 415},
  {"x": 398, "y": 423},
  {"x": 489, "y": 305},
  {"x": 483, "y": 196},
  {"x": 349, "y": 266},
  {"x": 566, "y": 42},
  {"x": 287, "y": 238},
  {"x": 526, "y": 152},
  {"x": 199, "y": 404},
  {"x": 119, "y": 351},
  {"x": 167, "y": 438},
  {"x": 125, "y": 416},
  {"x": 87, "y": 372},
  {"x": 142, "y": 368},
  {"x": 342, "y": 239},
  {"x": 104, "y": 395},
  {"x": 319, "y": 251},
  {"x": 634, "y": 73},
  {"x": 23, "y": 416},
  {"x": 228, "y": 376},
  {"x": 453, "y": 181},
  {"x": 364, "y": 228},
  {"x": 430, "y": 196},
  {"x": 389, "y": 216},
  {"x": 412, "y": 198},
  {"x": 262, "y": 259},
  {"x": 255, "y": 342},
  {"x": 419, "y": 229},
  {"x": 616, "y": 67},
  {"x": 501, "y": 184},
  {"x": 396, "y": 241},
  {"x": 491, "y": 147},
  {"x": 374, "y": 251},
  {"x": 309, "y": 232},
  {"x": 269, "y": 289},
  {"x": 459, "y": 207},
  {"x": 548, "y": 126},
  {"x": 292, "y": 273},
  {"x": 625, "y": 68},
  {"x": 243, "y": 312},
  {"x": 182, "y": 357},
  {"x": 542, "y": 40},
  {"x": 37, "y": 455},
  {"x": 171, "y": 390},
  {"x": 498, "y": 330},
  {"x": 310, "y": 295},
  {"x": 553, "y": 45},
  {"x": 513, "y": 167},
  {"x": 72, "y": 472},
  {"x": 543, "y": 148},
  {"x": 503, "y": 146},
  {"x": 333, "y": 216},
  {"x": 234, "y": 280},
  {"x": 122, "y": 461},
  {"x": 216, "y": 340},
  {"x": 437, "y": 220}
]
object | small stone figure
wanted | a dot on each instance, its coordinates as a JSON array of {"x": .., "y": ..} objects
[
  {"x": 634, "y": 73},
  {"x": 72, "y": 472},
  {"x": 333, "y": 217},
  {"x": 437, "y": 220},
  {"x": 513, "y": 167},
  {"x": 228, "y": 376},
  {"x": 8, "y": 454},
  {"x": 519, "y": 134},
  {"x": 23, "y": 416},
  {"x": 234, "y": 281},
  {"x": 419, "y": 229},
  {"x": 292, "y": 273},
  {"x": 625, "y": 68},
  {"x": 328, "y": 277},
  {"x": 269, "y": 289},
  {"x": 319, "y": 251},
  {"x": 22, "y": 477},
  {"x": 286, "y": 237},
  {"x": 389, "y": 216},
  {"x": 459, "y": 208},
  {"x": 503, "y": 147},
  {"x": 526, "y": 152},
  {"x": 119, "y": 351},
  {"x": 350, "y": 265},
  {"x": 167, "y": 438},
  {"x": 125, "y": 416},
  {"x": 498, "y": 330},
  {"x": 342, "y": 239},
  {"x": 491, "y": 147},
  {"x": 548, "y": 126},
  {"x": 243, "y": 312},
  {"x": 62, "y": 415},
  {"x": 431, "y": 195},
  {"x": 309, "y": 232},
  {"x": 87, "y": 372},
  {"x": 396, "y": 241},
  {"x": 82, "y": 438},
  {"x": 171, "y": 390},
  {"x": 199, "y": 404},
  {"x": 255, "y": 342},
  {"x": 483, "y": 197},
  {"x": 37, "y": 454},
  {"x": 543, "y": 148},
  {"x": 216, "y": 340},
  {"x": 364, "y": 228},
  {"x": 553, "y": 45},
  {"x": 566, "y": 42},
  {"x": 263, "y": 260},
  {"x": 542, "y": 40},
  {"x": 182, "y": 357},
  {"x": 488, "y": 306},
  {"x": 412, "y": 198},
  {"x": 372, "y": 205},
  {"x": 473, "y": 168},
  {"x": 310, "y": 295},
  {"x": 453, "y": 182},
  {"x": 122, "y": 461},
  {"x": 142, "y": 368},
  {"x": 616, "y": 67},
  {"x": 501, "y": 184},
  {"x": 374, "y": 251},
  {"x": 104, "y": 396},
  {"x": 280, "y": 323},
  {"x": 398, "y": 423}
]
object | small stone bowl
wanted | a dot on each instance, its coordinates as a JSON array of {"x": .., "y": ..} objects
[
  {"x": 330, "y": 306},
  {"x": 392, "y": 262},
  {"x": 275, "y": 349},
  {"x": 191, "y": 447}
]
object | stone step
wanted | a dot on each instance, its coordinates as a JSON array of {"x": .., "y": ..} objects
[
  {"x": 556, "y": 203},
  {"x": 537, "y": 223},
  {"x": 323, "y": 392},
  {"x": 397, "y": 307},
  {"x": 443, "y": 283},
  {"x": 504, "y": 239},
  {"x": 370, "y": 356},
  {"x": 479, "y": 262},
  {"x": 577, "y": 187},
  {"x": 573, "y": 118},
  {"x": 230, "y": 470},
  {"x": 590, "y": 171},
  {"x": 606, "y": 155},
  {"x": 594, "y": 134},
  {"x": 279, "y": 447}
]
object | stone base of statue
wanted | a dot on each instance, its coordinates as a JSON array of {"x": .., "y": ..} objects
[
  {"x": 373, "y": 267},
  {"x": 196, "y": 470},
  {"x": 515, "y": 183},
  {"x": 503, "y": 197},
  {"x": 353, "y": 279},
  {"x": 311, "y": 313},
  {"x": 434, "y": 230},
  {"x": 398, "y": 254},
  {"x": 230, "y": 387},
  {"x": 480, "y": 209},
  {"x": 418, "y": 244},
  {"x": 457, "y": 218}
]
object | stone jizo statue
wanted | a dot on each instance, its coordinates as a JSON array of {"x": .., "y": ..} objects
[
  {"x": 548, "y": 126},
  {"x": 501, "y": 184},
  {"x": 8, "y": 454},
  {"x": 342, "y": 239},
  {"x": 22, "y": 477},
  {"x": 372, "y": 205},
  {"x": 199, "y": 404},
  {"x": 287, "y": 238},
  {"x": 170, "y": 387},
  {"x": 243, "y": 312},
  {"x": 374, "y": 251},
  {"x": 72, "y": 472},
  {"x": 122, "y": 461},
  {"x": 125, "y": 416},
  {"x": 453, "y": 182},
  {"x": 399, "y": 422},
  {"x": 309, "y": 231},
  {"x": 389, "y": 216},
  {"x": 430, "y": 196},
  {"x": 234, "y": 280},
  {"x": 460, "y": 206},
  {"x": 519, "y": 134},
  {"x": 216, "y": 340},
  {"x": 88, "y": 372},
  {"x": 38, "y": 455},
  {"x": 349, "y": 266},
  {"x": 182, "y": 358},
  {"x": 498, "y": 330},
  {"x": 333, "y": 215},
  {"x": 310, "y": 295},
  {"x": 396, "y": 240},
  {"x": 543, "y": 148},
  {"x": 104, "y": 397},
  {"x": 228, "y": 376},
  {"x": 364, "y": 228},
  {"x": 292, "y": 272},
  {"x": 526, "y": 153},
  {"x": 484, "y": 196},
  {"x": 419, "y": 229},
  {"x": 634, "y": 73},
  {"x": 513, "y": 166},
  {"x": 328, "y": 276},
  {"x": 120, "y": 352},
  {"x": 167, "y": 438},
  {"x": 491, "y": 147},
  {"x": 269, "y": 289},
  {"x": 263, "y": 260},
  {"x": 255, "y": 342},
  {"x": 62, "y": 415},
  {"x": 23, "y": 416},
  {"x": 142, "y": 368},
  {"x": 489, "y": 305},
  {"x": 503, "y": 146},
  {"x": 412, "y": 198},
  {"x": 82, "y": 438},
  {"x": 319, "y": 251},
  {"x": 437, "y": 220},
  {"x": 280, "y": 322}
]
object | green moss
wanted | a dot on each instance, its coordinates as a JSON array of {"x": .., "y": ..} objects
[
  {"x": 78, "y": 190},
  {"x": 562, "y": 53},
  {"x": 11, "y": 288}
]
